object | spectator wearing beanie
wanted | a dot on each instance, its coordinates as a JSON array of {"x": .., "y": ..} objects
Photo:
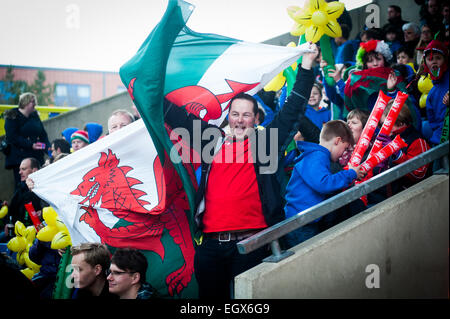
[{"x": 79, "y": 139}]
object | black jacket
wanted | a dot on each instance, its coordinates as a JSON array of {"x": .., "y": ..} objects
[
  {"x": 16, "y": 206},
  {"x": 286, "y": 122},
  {"x": 21, "y": 133}
]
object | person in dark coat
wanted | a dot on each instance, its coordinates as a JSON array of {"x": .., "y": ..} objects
[
  {"x": 25, "y": 134},
  {"x": 42, "y": 254}
]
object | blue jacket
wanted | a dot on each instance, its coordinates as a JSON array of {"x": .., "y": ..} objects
[
  {"x": 435, "y": 108},
  {"x": 318, "y": 117},
  {"x": 312, "y": 180},
  {"x": 346, "y": 52}
]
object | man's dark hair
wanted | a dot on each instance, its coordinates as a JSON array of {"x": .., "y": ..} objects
[
  {"x": 248, "y": 97},
  {"x": 62, "y": 144},
  {"x": 396, "y": 8},
  {"x": 131, "y": 260},
  {"x": 34, "y": 163}
]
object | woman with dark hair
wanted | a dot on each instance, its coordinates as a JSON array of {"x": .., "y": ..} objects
[{"x": 25, "y": 134}]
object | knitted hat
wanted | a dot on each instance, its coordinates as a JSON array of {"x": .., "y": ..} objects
[
  {"x": 436, "y": 46},
  {"x": 81, "y": 135},
  {"x": 373, "y": 45}
]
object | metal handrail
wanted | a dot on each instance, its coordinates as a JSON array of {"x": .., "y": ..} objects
[{"x": 273, "y": 233}]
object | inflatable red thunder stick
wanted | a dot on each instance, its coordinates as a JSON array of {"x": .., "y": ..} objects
[
  {"x": 383, "y": 154},
  {"x": 369, "y": 129},
  {"x": 389, "y": 122},
  {"x": 33, "y": 215}
]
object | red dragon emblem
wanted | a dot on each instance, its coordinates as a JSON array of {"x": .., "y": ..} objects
[
  {"x": 202, "y": 102},
  {"x": 109, "y": 185}
]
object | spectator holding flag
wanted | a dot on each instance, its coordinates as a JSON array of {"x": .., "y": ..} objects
[{"x": 237, "y": 199}]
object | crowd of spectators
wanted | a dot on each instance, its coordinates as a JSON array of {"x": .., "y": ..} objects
[{"x": 317, "y": 143}]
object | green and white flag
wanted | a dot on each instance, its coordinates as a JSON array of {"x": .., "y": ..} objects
[{"x": 199, "y": 72}]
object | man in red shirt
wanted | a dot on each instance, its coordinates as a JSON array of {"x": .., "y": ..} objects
[{"x": 238, "y": 193}]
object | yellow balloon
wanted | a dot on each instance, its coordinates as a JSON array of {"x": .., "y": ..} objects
[
  {"x": 61, "y": 240},
  {"x": 19, "y": 228},
  {"x": 3, "y": 211},
  {"x": 424, "y": 84},
  {"x": 313, "y": 33},
  {"x": 49, "y": 214},
  {"x": 47, "y": 233},
  {"x": 20, "y": 257},
  {"x": 333, "y": 29},
  {"x": 319, "y": 18},
  {"x": 276, "y": 83},
  {"x": 423, "y": 100},
  {"x": 335, "y": 9},
  {"x": 30, "y": 234},
  {"x": 29, "y": 273},
  {"x": 17, "y": 244},
  {"x": 60, "y": 224},
  {"x": 316, "y": 18},
  {"x": 31, "y": 264}
]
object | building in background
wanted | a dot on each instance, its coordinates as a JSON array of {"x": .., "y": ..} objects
[{"x": 73, "y": 87}]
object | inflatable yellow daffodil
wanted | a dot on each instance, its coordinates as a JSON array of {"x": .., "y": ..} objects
[
  {"x": 316, "y": 19},
  {"x": 55, "y": 231},
  {"x": 21, "y": 244}
]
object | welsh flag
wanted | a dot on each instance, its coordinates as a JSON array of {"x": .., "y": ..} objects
[
  {"x": 199, "y": 72},
  {"x": 124, "y": 190}
]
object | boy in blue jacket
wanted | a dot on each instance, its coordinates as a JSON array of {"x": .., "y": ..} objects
[{"x": 312, "y": 180}]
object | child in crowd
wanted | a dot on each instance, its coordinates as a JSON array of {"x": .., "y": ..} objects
[
  {"x": 436, "y": 64},
  {"x": 356, "y": 121},
  {"x": 79, "y": 139},
  {"x": 416, "y": 145},
  {"x": 313, "y": 111},
  {"x": 391, "y": 38},
  {"x": 312, "y": 179},
  {"x": 405, "y": 56}
]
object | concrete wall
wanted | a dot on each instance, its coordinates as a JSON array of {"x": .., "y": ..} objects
[
  {"x": 406, "y": 237},
  {"x": 96, "y": 112}
]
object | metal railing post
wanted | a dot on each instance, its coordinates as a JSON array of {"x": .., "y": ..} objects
[{"x": 277, "y": 253}]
